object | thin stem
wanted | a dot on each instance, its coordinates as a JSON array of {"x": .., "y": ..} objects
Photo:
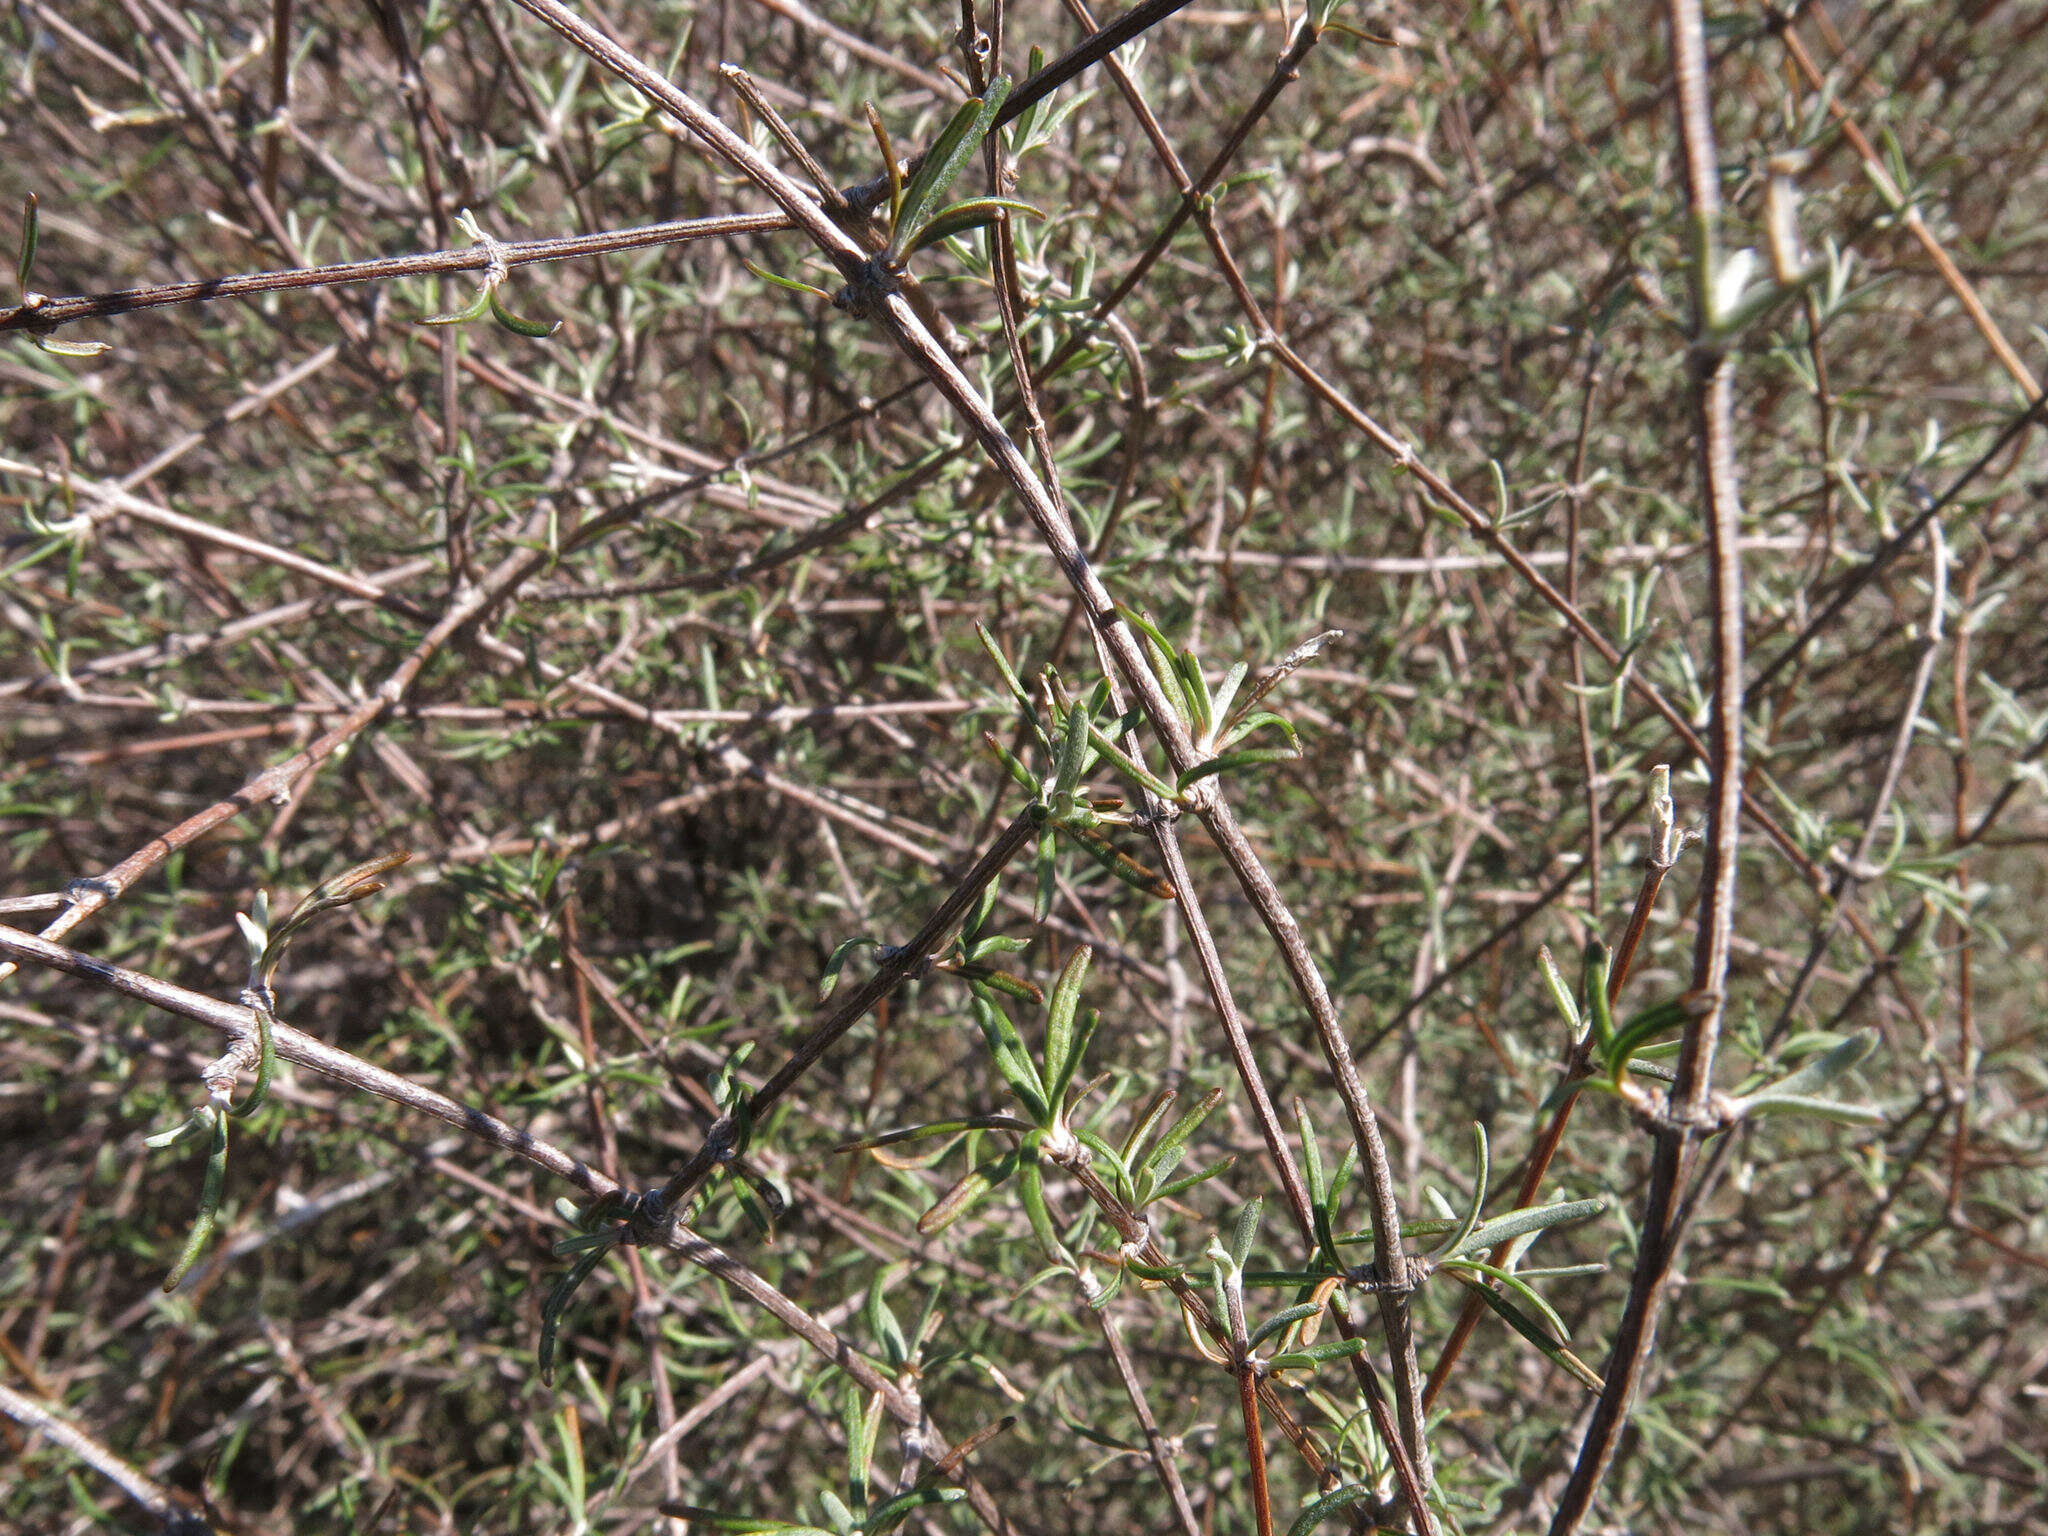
[
  {"x": 519, "y": 253},
  {"x": 1255, "y": 1447},
  {"x": 294, "y": 1045},
  {"x": 1162, "y": 1453},
  {"x": 1677, "y": 1145},
  {"x": 175, "y": 1519}
]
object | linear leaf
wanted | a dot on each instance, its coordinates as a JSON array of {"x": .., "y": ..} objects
[
  {"x": 1530, "y": 1218},
  {"x": 1188, "y": 1181},
  {"x": 1334, "y": 1502},
  {"x": 1061, "y": 1056},
  {"x": 1312, "y": 1355},
  {"x": 1184, "y": 1127},
  {"x": 1515, "y": 1319},
  {"x": 947, "y": 158},
  {"x": 962, "y": 217}
]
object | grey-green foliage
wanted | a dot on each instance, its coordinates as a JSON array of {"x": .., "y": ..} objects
[{"x": 1475, "y": 233}]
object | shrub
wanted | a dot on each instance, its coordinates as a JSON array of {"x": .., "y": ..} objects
[{"x": 1257, "y": 770}]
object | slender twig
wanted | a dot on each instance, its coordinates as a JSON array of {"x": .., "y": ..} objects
[
  {"x": 513, "y": 253},
  {"x": 1137, "y": 1234},
  {"x": 1159, "y": 822},
  {"x": 174, "y": 1518},
  {"x": 237, "y": 1021},
  {"x": 1677, "y": 1143},
  {"x": 1155, "y": 1443}
]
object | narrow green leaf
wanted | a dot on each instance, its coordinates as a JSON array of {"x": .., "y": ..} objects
[
  {"x": 1056, "y": 1090},
  {"x": 1011, "y": 1059},
  {"x": 1159, "y": 650},
  {"x": 840, "y": 954},
  {"x": 1012, "y": 764},
  {"x": 210, "y": 1191},
  {"x": 1463, "y": 1231},
  {"x": 999, "y": 943},
  {"x": 1530, "y": 1218},
  {"x": 1006, "y": 982},
  {"x": 1074, "y": 754},
  {"x": 795, "y": 285},
  {"x": 1318, "y": 1354},
  {"x": 1102, "y": 1149},
  {"x": 1346, "y": 1166},
  {"x": 1774, "y": 1103},
  {"x": 1593, "y": 970},
  {"x": 1162, "y": 1272},
  {"x": 196, "y": 1125},
  {"x": 1127, "y": 765},
  {"x": 1148, "y": 1121},
  {"x": 1226, "y": 690},
  {"x": 558, "y": 1302},
  {"x": 56, "y": 348},
  {"x": 1143, "y": 624},
  {"x": 1188, "y": 668},
  {"x": 1258, "y": 720},
  {"x": 266, "y": 1058},
  {"x": 1289, "y": 1277},
  {"x": 1230, "y": 762},
  {"x": 24, "y": 263},
  {"x": 1514, "y": 1317},
  {"x": 947, "y": 158},
  {"x": 891, "y": 164},
  {"x": 1117, "y": 862},
  {"x": 1281, "y": 1320},
  {"x": 1011, "y": 682},
  {"x": 1246, "y": 1232},
  {"x": 962, "y": 217},
  {"x": 1560, "y": 994},
  {"x": 535, "y": 329},
  {"x": 473, "y": 310},
  {"x": 1188, "y": 1181},
  {"x": 977, "y": 919},
  {"x": 966, "y": 1194},
  {"x": 1184, "y": 1127},
  {"x": 1060, "y": 1055},
  {"x": 1643, "y": 1028},
  {"x": 1311, "y": 1154},
  {"x": 1031, "y": 1187},
  {"x": 1821, "y": 1071},
  {"x": 1514, "y": 1282},
  {"x": 883, "y": 1326},
  {"x": 1332, "y": 1503}
]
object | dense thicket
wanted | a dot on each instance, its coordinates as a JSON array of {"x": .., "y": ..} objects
[{"x": 671, "y": 645}]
